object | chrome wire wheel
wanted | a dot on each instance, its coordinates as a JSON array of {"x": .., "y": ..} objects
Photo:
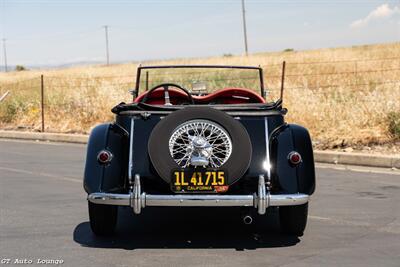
[{"x": 200, "y": 143}]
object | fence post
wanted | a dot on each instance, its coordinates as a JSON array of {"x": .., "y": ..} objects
[
  {"x": 355, "y": 74},
  {"x": 4, "y": 96},
  {"x": 283, "y": 78},
  {"x": 42, "y": 99}
]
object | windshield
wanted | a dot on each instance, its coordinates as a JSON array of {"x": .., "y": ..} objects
[{"x": 200, "y": 79}]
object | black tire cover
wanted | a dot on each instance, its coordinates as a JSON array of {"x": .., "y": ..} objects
[{"x": 163, "y": 163}]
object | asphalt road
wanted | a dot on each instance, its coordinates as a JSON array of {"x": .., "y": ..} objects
[{"x": 354, "y": 220}]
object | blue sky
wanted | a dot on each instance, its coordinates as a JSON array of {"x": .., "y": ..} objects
[{"x": 54, "y": 32}]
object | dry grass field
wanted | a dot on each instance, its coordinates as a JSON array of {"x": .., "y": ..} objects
[{"x": 345, "y": 96}]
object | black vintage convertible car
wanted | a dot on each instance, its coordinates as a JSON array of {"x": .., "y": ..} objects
[{"x": 200, "y": 136}]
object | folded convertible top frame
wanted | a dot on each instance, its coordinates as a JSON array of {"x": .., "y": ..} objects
[
  {"x": 250, "y": 107},
  {"x": 231, "y": 113}
]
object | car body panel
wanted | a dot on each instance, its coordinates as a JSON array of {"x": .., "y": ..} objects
[
  {"x": 106, "y": 177},
  {"x": 283, "y": 139},
  {"x": 290, "y": 178}
]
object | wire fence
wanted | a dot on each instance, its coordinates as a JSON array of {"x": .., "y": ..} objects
[{"x": 49, "y": 98}]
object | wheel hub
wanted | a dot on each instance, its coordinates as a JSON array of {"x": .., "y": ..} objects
[{"x": 200, "y": 143}]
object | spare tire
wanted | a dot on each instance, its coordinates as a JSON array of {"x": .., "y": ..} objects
[{"x": 240, "y": 145}]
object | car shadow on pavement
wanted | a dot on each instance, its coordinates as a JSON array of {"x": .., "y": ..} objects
[{"x": 188, "y": 228}]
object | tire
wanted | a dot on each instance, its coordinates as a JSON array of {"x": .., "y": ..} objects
[
  {"x": 103, "y": 218},
  {"x": 293, "y": 219},
  {"x": 158, "y": 148}
]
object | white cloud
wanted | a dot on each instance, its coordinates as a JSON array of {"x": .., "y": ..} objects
[{"x": 381, "y": 12}]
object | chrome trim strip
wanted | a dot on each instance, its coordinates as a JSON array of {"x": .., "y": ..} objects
[
  {"x": 268, "y": 162},
  {"x": 288, "y": 199},
  {"x": 198, "y": 200},
  {"x": 130, "y": 163},
  {"x": 110, "y": 199},
  {"x": 138, "y": 200},
  {"x": 166, "y": 97}
]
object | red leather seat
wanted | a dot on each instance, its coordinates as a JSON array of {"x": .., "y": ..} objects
[{"x": 222, "y": 96}]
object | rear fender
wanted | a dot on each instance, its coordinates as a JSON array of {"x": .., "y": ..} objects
[
  {"x": 292, "y": 179},
  {"x": 109, "y": 177}
]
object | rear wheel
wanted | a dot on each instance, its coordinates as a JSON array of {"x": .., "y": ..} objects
[
  {"x": 200, "y": 137},
  {"x": 293, "y": 219},
  {"x": 103, "y": 218}
]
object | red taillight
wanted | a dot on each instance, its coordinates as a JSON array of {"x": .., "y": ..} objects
[
  {"x": 104, "y": 156},
  {"x": 221, "y": 188},
  {"x": 294, "y": 158}
]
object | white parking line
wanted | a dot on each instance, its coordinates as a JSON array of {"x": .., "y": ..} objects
[
  {"x": 337, "y": 221},
  {"x": 42, "y": 174},
  {"x": 39, "y": 142},
  {"x": 390, "y": 227},
  {"x": 354, "y": 168}
]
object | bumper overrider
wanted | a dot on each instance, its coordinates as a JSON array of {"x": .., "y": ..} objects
[{"x": 138, "y": 200}]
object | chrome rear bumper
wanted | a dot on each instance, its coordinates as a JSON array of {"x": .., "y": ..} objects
[{"x": 138, "y": 200}]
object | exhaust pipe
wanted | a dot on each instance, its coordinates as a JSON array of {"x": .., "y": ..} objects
[{"x": 247, "y": 219}]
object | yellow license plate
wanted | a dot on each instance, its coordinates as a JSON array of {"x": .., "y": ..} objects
[{"x": 197, "y": 180}]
